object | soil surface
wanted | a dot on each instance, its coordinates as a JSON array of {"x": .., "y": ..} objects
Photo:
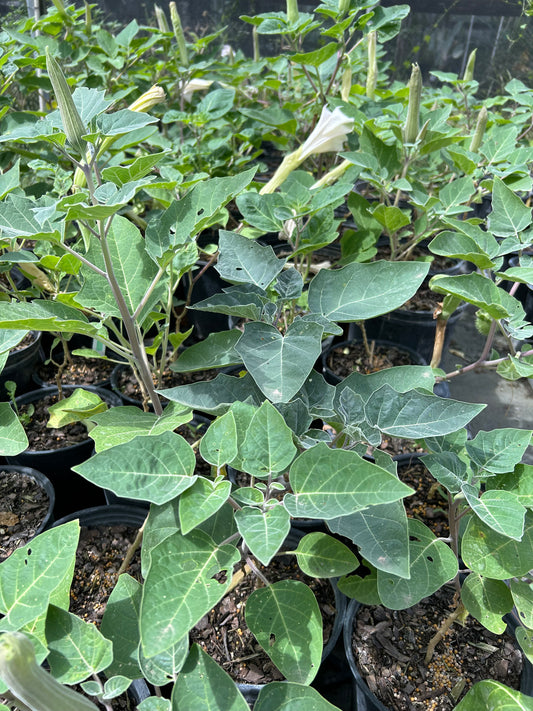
[
  {"x": 23, "y": 507},
  {"x": 389, "y": 647},
  {"x": 419, "y": 253},
  {"x": 223, "y": 633},
  {"x": 100, "y": 553},
  {"x": 346, "y": 359},
  {"x": 129, "y": 387},
  {"x": 423, "y": 300},
  {"x": 41, "y": 437},
  {"x": 83, "y": 371},
  {"x": 429, "y": 503}
]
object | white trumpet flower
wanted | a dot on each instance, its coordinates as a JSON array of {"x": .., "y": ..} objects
[
  {"x": 195, "y": 85},
  {"x": 327, "y": 136}
]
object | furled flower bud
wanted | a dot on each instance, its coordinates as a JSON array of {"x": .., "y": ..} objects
[
  {"x": 469, "y": 70},
  {"x": 155, "y": 95},
  {"x": 72, "y": 123},
  {"x": 178, "y": 34},
  {"x": 411, "y": 128},
  {"x": 60, "y": 7},
  {"x": 372, "y": 73},
  {"x": 88, "y": 18},
  {"x": 292, "y": 12},
  {"x": 161, "y": 19},
  {"x": 255, "y": 42},
  {"x": 344, "y": 6},
  {"x": 328, "y": 135},
  {"x": 346, "y": 83},
  {"x": 481, "y": 125}
]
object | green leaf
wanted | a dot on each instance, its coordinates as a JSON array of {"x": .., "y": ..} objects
[
  {"x": 519, "y": 481},
  {"x": 123, "y": 121},
  {"x": 493, "y": 696},
  {"x": 77, "y": 649},
  {"x": 500, "y": 510},
  {"x": 417, "y": 414},
  {"x": 244, "y": 261},
  {"x": 322, "y": 556},
  {"x": 448, "y": 469},
  {"x": 391, "y": 217},
  {"x": 328, "y": 483},
  {"x": 487, "y": 600},
  {"x": 316, "y": 57},
  {"x": 203, "y": 686},
  {"x": 120, "y": 624},
  {"x": 215, "y": 396},
  {"x": 245, "y": 301},
  {"x": 522, "y": 593},
  {"x": 217, "y": 103},
  {"x": 180, "y": 587},
  {"x": 134, "y": 271},
  {"x": 155, "y": 703},
  {"x": 218, "y": 445},
  {"x": 13, "y": 438},
  {"x": 286, "y": 696},
  {"x": 43, "y": 315},
  {"x": 381, "y": 532},
  {"x": 401, "y": 378},
  {"x": 479, "y": 291},
  {"x": 119, "y": 425},
  {"x": 496, "y": 556},
  {"x": 17, "y": 219},
  {"x": 286, "y": 621},
  {"x": 155, "y": 469},
  {"x": 265, "y": 212},
  {"x": 432, "y": 563},
  {"x": 33, "y": 573},
  {"x": 115, "y": 686},
  {"x": 200, "y": 501},
  {"x": 499, "y": 450},
  {"x": 138, "y": 168},
  {"x": 524, "y": 638},
  {"x": 217, "y": 350},
  {"x": 280, "y": 364},
  {"x": 81, "y": 405},
  {"x": 267, "y": 447},
  {"x": 263, "y": 531},
  {"x": 463, "y": 246},
  {"x": 361, "y": 291},
  {"x": 9, "y": 180},
  {"x": 510, "y": 215},
  {"x": 163, "y": 667}
]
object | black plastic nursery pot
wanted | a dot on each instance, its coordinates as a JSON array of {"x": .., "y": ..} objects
[
  {"x": 71, "y": 490},
  {"x": 209, "y": 283},
  {"x": 365, "y": 699},
  {"x": 43, "y": 483},
  {"x": 20, "y": 365}
]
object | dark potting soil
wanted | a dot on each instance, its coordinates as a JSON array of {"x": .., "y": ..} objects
[
  {"x": 390, "y": 645},
  {"x": 41, "y": 437},
  {"x": 399, "y": 445},
  {"x": 423, "y": 300},
  {"x": 224, "y": 635},
  {"x": 28, "y": 339},
  {"x": 438, "y": 262},
  {"x": 99, "y": 556},
  {"x": 429, "y": 503},
  {"x": 23, "y": 507},
  {"x": 344, "y": 360},
  {"x": 82, "y": 371}
]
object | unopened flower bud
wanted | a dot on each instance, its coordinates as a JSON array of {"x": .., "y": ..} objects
[
  {"x": 372, "y": 74},
  {"x": 292, "y": 12},
  {"x": 178, "y": 34},
  {"x": 344, "y": 6},
  {"x": 469, "y": 70},
  {"x": 346, "y": 83},
  {"x": 72, "y": 123},
  {"x": 88, "y": 18},
  {"x": 481, "y": 125},
  {"x": 410, "y": 131},
  {"x": 161, "y": 19},
  {"x": 155, "y": 95}
]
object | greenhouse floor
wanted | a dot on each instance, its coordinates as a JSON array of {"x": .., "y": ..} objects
[{"x": 509, "y": 403}]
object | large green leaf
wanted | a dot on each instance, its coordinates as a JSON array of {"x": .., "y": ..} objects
[
  {"x": 278, "y": 363},
  {"x": 217, "y": 350},
  {"x": 156, "y": 468},
  {"x": 133, "y": 268},
  {"x": 77, "y": 648},
  {"x": 200, "y": 501},
  {"x": 265, "y": 212},
  {"x": 162, "y": 668},
  {"x": 417, "y": 414},
  {"x": 448, "y": 469},
  {"x": 328, "y": 483},
  {"x": 522, "y": 593},
  {"x": 181, "y": 587},
  {"x": 43, "y": 315},
  {"x": 263, "y": 531},
  {"x": 216, "y": 396},
  {"x": 120, "y": 624},
  {"x": 17, "y": 219},
  {"x": 361, "y": 291},
  {"x": 123, "y": 121},
  {"x": 162, "y": 522},
  {"x": 33, "y": 573},
  {"x": 76, "y": 407},
  {"x": 119, "y": 425},
  {"x": 204, "y": 686},
  {"x": 496, "y": 556},
  {"x": 244, "y": 261},
  {"x": 13, "y": 439},
  {"x": 459, "y": 245},
  {"x": 488, "y": 601},
  {"x": 322, "y": 556},
  {"x": 492, "y": 695},
  {"x": 242, "y": 301},
  {"x": 500, "y": 510},
  {"x": 268, "y": 447},
  {"x": 499, "y": 450},
  {"x": 381, "y": 532},
  {"x": 401, "y": 378},
  {"x": 479, "y": 291},
  {"x": 286, "y": 621},
  {"x": 287, "y": 696},
  {"x": 510, "y": 215},
  {"x": 519, "y": 481},
  {"x": 432, "y": 563}
]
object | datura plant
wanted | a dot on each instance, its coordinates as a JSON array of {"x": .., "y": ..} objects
[{"x": 282, "y": 445}]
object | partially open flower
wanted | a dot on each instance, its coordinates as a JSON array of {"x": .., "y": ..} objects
[
  {"x": 195, "y": 85},
  {"x": 150, "y": 98},
  {"x": 329, "y": 133}
]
